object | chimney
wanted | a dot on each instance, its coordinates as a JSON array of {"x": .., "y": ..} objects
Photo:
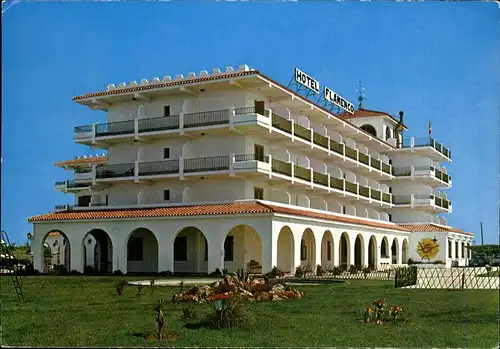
[{"x": 401, "y": 117}]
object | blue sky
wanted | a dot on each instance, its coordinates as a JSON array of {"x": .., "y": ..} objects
[{"x": 438, "y": 61}]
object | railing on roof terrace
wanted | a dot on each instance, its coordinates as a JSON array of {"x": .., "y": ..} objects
[
  {"x": 428, "y": 142},
  {"x": 245, "y": 110},
  {"x": 162, "y": 123},
  {"x": 406, "y": 171},
  {"x": 421, "y": 199},
  {"x": 247, "y": 157},
  {"x": 281, "y": 123},
  {"x": 83, "y": 131},
  {"x": 115, "y": 170},
  {"x": 114, "y": 128},
  {"x": 213, "y": 163},
  {"x": 216, "y": 117}
]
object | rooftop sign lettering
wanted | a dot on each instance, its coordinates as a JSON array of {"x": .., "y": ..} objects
[
  {"x": 338, "y": 100},
  {"x": 306, "y": 81}
]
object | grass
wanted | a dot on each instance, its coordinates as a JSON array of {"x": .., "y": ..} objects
[{"x": 85, "y": 311}]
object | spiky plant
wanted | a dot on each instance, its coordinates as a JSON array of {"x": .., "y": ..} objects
[{"x": 158, "y": 308}]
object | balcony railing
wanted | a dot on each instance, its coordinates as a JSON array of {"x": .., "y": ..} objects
[
  {"x": 427, "y": 199},
  {"x": 336, "y": 183},
  {"x": 153, "y": 168},
  {"x": 210, "y": 118},
  {"x": 429, "y": 142},
  {"x": 407, "y": 172},
  {"x": 221, "y": 117},
  {"x": 320, "y": 178},
  {"x": 302, "y": 173},
  {"x": 214, "y": 163},
  {"x": 302, "y": 132},
  {"x": 114, "y": 128},
  {"x": 162, "y": 123},
  {"x": 78, "y": 170},
  {"x": 281, "y": 167},
  {"x": 115, "y": 171}
]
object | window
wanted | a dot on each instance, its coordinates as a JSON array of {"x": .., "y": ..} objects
[
  {"x": 387, "y": 132},
  {"x": 370, "y": 129},
  {"x": 260, "y": 107},
  {"x": 303, "y": 250},
  {"x": 84, "y": 201},
  {"x": 166, "y": 195},
  {"x": 258, "y": 193},
  {"x": 229, "y": 248},
  {"x": 456, "y": 249},
  {"x": 107, "y": 199},
  {"x": 449, "y": 249},
  {"x": 166, "y": 153},
  {"x": 328, "y": 250},
  {"x": 343, "y": 209},
  {"x": 463, "y": 250},
  {"x": 135, "y": 249},
  {"x": 470, "y": 251},
  {"x": 166, "y": 110},
  {"x": 258, "y": 152},
  {"x": 390, "y": 217},
  {"x": 390, "y": 190},
  {"x": 180, "y": 249}
]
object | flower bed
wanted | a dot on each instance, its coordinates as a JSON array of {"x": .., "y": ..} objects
[{"x": 253, "y": 290}]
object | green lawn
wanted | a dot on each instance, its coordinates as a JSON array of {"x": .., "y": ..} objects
[{"x": 85, "y": 311}]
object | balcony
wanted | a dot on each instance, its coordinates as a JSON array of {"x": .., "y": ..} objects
[
  {"x": 186, "y": 123},
  {"x": 241, "y": 163},
  {"x": 71, "y": 186},
  {"x": 439, "y": 151},
  {"x": 427, "y": 202},
  {"x": 429, "y": 173}
]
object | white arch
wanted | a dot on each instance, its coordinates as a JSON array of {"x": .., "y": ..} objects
[
  {"x": 384, "y": 216},
  {"x": 384, "y": 188},
  {"x": 362, "y": 148},
  {"x": 320, "y": 129},
  {"x": 374, "y": 154},
  {"x": 335, "y": 136},
  {"x": 350, "y": 143},
  {"x": 318, "y": 166},
  {"x": 350, "y": 210},
  {"x": 350, "y": 177},
  {"x": 335, "y": 171},
  {"x": 281, "y": 154},
  {"x": 384, "y": 159},
  {"x": 334, "y": 206},
  {"x": 281, "y": 195},
  {"x": 363, "y": 181},
  {"x": 303, "y": 161},
  {"x": 303, "y": 201},
  {"x": 303, "y": 121}
]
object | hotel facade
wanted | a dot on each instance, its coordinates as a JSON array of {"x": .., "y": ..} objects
[{"x": 230, "y": 169}]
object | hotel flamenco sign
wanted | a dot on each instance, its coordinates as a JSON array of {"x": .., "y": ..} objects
[{"x": 328, "y": 94}]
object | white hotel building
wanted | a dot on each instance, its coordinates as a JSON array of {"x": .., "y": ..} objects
[{"x": 220, "y": 169}]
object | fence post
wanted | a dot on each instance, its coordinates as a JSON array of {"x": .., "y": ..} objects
[{"x": 463, "y": 279}]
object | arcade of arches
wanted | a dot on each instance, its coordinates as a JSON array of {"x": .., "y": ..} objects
[{"x": 190, "y": 250}]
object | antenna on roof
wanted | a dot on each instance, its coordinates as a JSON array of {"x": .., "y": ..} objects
[{"x": 362, "y": 94}]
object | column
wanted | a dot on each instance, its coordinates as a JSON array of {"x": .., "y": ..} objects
[
  {"x": 365, "y": 252},
  {"x": 336, "y": 252},
  {"x": 120, "y": 255},
  {"x": 215, "y": 253},
  {"x": 166, "y": 253},
  {"x": 76, "y": 257},
  {"x": 317, "y": 253},
  {"x": 269, "y": 253},
  {"x": 351, "y": 256}
]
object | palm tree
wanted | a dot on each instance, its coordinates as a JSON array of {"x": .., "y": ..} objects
[{"x": 158, "y": 308}]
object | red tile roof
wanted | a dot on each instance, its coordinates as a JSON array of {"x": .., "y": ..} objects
[
  {"x": 88, "y": 160},
  {"x": 420, "y": 228},
  {"x": 200, "y": 210},
  {"x": 165, "y": 84},
  {"x": 363, "y": 113}
]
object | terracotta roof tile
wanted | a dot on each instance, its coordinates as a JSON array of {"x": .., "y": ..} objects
[
  {"x": 363, "y": 113},
  {"x": 164, "y": 84},
  {"x": 334, "y": 218},
  {"x": 200, "y": 210},
  {"x": 88, "y": 160},
  {"x": 197, "y": 210},
  {"x": 420, "y": 228}
]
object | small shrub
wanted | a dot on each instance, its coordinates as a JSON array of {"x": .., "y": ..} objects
[
  {"x": 181, "y": 285},
  {"x": 75, "y": 273},
  {"x": 320, "y": 271},
  {"x": 366, "y": 271},
  {"x": 158, "y": 308},
  {"x": 367, "y": 313},
  {"x": 379, "y": 310},
  {"x": 343, "y": 267},
  {"x": 226, "y": 313},
  {"x": 299, "y": 271},
  {"x": 189, "y": 313},
  {"x": 117, "y": 273},
  {"x": 395, "y": 312},
  {"x": 120, "y": 288},
  {"x": 89, "y": 270},
  {"x": 60, "y": 270},
  {"x": 353, "y": 269},
  {"x": 166, "y": 273},
  {"x": 243, "y": 276},
  {"x": 308, "y": 269}
]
